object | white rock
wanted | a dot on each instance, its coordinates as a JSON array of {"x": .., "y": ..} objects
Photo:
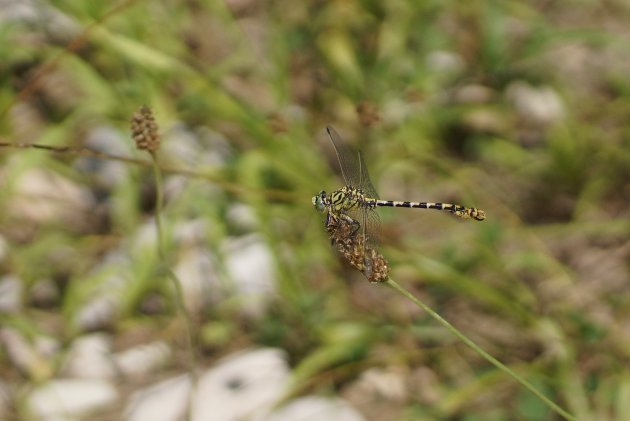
[
  {"x": 538, "y": 105},
  {"x": 71, "y": 398},
  {"x": 47, "y": 346},
  {"x": 201, "y": 146},
  {"x": 97, "y": 313},
  {"x": 444, "y": 61},
  {"x": 190, "y": 233},
  {"x": 182, "y": 145},
  {"x": 39, "y": 17},
  {"x": 43, "y": 196},
  {"x": 242, "y": 216},
  {"x": 314, "y": 408},
  {"x": 10, "y": 294},
  {"x": 240, "y": 386},
  {"x": 165, "y": 401},
  {"x": 19, "y": 11},
  {"x": 196, "y": 272},
  {"x": 389, "y": 384},
  {"x": 250, "y": 264},
  {"x": 89, "y": 358},
  {"x": 245, "y": 384},
  {"x": 175, "y": 186},
  {"x": 23, "y": 354},
  {"x": 145, "y": 237},
  {"x": 106, "y": 139},
  {"x": 142, "y": 360},
  {"x": 101, "y": 305}
]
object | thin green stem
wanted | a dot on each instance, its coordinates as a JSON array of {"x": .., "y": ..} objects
[
  {"x": 498, "y": 364},
  {"x": 159, "y": 193},
  {"x": 179, "y": 296}
]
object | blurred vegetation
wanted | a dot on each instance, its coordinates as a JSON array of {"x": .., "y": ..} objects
[{"x": 518, "y": 108}]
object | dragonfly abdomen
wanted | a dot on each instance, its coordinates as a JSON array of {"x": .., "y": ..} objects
[
  {"x": 458, "y": 210},
  {"x": 421, "y": 205}
]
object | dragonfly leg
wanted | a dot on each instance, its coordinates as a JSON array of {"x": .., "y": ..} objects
[{"x": 355, "y": 224}]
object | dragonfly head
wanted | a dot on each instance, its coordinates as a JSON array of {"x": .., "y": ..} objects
[{"x": 318, "y": 201}]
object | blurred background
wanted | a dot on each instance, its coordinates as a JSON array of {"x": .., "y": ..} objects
[{"x": 519, "y": 108}]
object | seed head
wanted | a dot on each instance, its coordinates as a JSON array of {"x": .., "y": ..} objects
[
  {"x": 356, "y": 249},
  {"x": 144, "y": 130}
]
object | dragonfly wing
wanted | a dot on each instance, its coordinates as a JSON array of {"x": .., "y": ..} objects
[
  {"x": 353, "y": 168},
  {"x": 348, "y": 160},
  {"x": 372, "y": 228},
  {"x": 373, "y": 261},
  {"x": 366, "y": 184},
  {"x": 369, "y": 227}
]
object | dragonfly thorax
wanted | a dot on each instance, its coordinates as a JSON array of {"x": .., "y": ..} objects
[
  {"x": 348, "y": 198},
  {"x": 342, "y": 200}
]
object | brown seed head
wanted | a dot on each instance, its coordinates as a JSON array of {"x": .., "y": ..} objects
[
  {"x": 352, "y": 245},
  {"x": 144, "y": 130}
]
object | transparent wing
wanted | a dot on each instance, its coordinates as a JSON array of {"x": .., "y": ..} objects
[
  {"x": 370, "y": 232},
  {"x": 353, "y": 168},
  {"x": 370, "y": 225},
  {"x": 366, "y": 183},
  {"x": 372, "y": 228}
]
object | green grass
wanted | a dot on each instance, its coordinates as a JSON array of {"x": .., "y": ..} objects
[{"x": 541, "y": 284}]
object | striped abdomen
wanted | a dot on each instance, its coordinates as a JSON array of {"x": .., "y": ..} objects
[{"x": 457, "y": 210}]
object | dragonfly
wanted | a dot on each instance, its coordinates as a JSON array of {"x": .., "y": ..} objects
[{"x": 351, "y": 220}]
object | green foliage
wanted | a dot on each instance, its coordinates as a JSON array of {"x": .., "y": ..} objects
[{"x": 542, "y": 283}]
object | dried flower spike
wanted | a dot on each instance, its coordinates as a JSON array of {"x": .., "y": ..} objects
[
  {"x": 352, "y": 245},
  {"x": 144, "y": 130}
]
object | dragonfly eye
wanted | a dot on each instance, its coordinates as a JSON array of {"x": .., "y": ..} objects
[{"x": 318, "y": 201}]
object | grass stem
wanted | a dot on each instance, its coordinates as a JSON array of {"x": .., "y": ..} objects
[{"x": 498, "y": 364}]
